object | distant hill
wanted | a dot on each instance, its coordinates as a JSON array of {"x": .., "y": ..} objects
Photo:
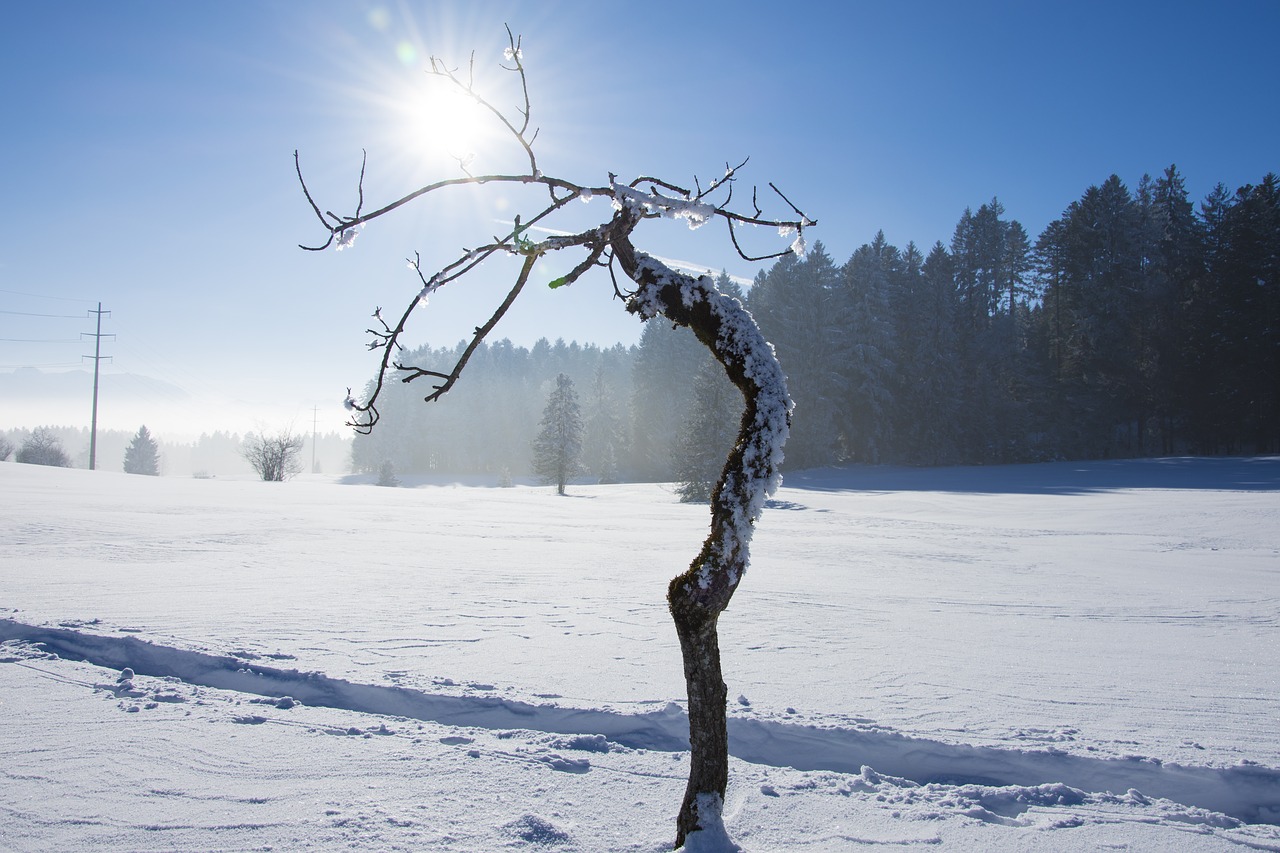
[
  {"x": 31, "y": 397},
  {"x": 73, "y": 385}
]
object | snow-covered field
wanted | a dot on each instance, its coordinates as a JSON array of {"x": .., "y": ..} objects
[{"x": 1076, "y": 656}]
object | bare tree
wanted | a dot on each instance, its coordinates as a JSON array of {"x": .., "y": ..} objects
[
  {"x": 274, "y": 457},
  {"x": 42, "y": 447},
  {"x": 699, "y": 595},
  {"x": 6, "y": 448}
]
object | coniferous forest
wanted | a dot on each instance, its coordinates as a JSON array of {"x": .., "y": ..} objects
[{"x": 1138, "y": 323}]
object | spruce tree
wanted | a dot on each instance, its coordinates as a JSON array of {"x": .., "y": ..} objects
[
  {"x": 558, "y": 447},
  {"x": 141, "y": 456},
  {"x": 1244, "y": 278},
  {"x": 707, "y": 434},
  {"x": 868, "y": 351},
  {"x": 660, "y": 396},
  {"x": 797, "y": 304},
  {"x": 603, "y": 435}
]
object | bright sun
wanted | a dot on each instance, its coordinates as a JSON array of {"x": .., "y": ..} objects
[{"x": 448, "y": 123}]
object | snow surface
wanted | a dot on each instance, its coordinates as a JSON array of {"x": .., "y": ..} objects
[{"x": 1052, "y": 657}]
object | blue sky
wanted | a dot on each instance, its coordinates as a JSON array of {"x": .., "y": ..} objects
[{"x": 148, "y": 147}]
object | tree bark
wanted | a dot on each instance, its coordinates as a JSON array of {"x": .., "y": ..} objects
[{"x": 708, "y": 726}]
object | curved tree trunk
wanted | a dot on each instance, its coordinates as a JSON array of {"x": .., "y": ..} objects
[
  {"x": 697, "y": 597},
  {"x": 708, "y": 726}
]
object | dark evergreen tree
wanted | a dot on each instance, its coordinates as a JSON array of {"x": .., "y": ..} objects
[
  {"x": 142, "y": 454},
  {"x": 558, "y": 446},
  {"x": 992, "y": 261},
  {"x": 1243, "y": 347},
  {"x": 797, "y": 306},
  {"x": 1094, "y": 267},
  {"x": 1180, "y": 267},
  {"x": 927, "y": 400},
  {"x": 866, "y": 350},
  {"x": 1172, "y": 270}
]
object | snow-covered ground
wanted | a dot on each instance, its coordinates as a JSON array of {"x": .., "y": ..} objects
[{"x": 1075, "y": 656}]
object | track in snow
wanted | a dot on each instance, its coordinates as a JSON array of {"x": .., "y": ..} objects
[{"x": 1246, "y": 792}]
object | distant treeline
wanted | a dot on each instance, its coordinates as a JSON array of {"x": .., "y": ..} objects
[
  {"x": 212, "y": 454},
  {"x": 1136, "y": 324}
]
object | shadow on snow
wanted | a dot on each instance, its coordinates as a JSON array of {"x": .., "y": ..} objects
[
  {"x": 1247, "y": 792},
  {"x": 1244, "y": 474}
]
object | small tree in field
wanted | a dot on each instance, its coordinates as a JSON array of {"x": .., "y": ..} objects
[
  {"x": 275, "y": 458},
  {"x": 141, "y": 456},
  {"x": 387, "y": 475},
  {"x": 697, "y": 596},
  {"x": 42, "y": 447},
  {"x": 558, "y": 447}
]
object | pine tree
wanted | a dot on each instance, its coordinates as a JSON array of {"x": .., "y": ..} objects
[
  {"x": 930, "y": 372},
  {"x": 661, "y": 395},
  {"x": 1173, "y": 270},
  {"x": 141, "y": 456},
  {"x": 603, "y": 435},
  {"x": 992, "y": 261},
  {"x": 387, "y": 475},
  {"x": 557, "y": 448},
  {"x": 1244, "y": 311},
  {"x": 1092, "y": 259},
  {"x": 866, "y": 350},
  {"x": 707, "y": 434},
  {"x": 797, "y": 306}
]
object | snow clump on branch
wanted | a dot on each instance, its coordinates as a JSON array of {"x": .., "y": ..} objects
[
  {"x": 798, "y": 246},
  {"x": 347, "y": 238},
  {"x": 653, "y": 202}
]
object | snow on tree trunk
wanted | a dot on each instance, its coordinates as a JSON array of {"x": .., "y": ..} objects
[{"x": 697, "y": 597}]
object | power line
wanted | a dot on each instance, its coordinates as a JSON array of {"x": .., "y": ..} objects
[
  {"x": 31, "y": 314},
  {"x": 41, "y": 340},
  {"x": 53, "y": 364},
  {"x": 43, "y": 296}
]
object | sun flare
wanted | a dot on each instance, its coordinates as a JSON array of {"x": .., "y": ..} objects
[{"x": 446, "y": 122}]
